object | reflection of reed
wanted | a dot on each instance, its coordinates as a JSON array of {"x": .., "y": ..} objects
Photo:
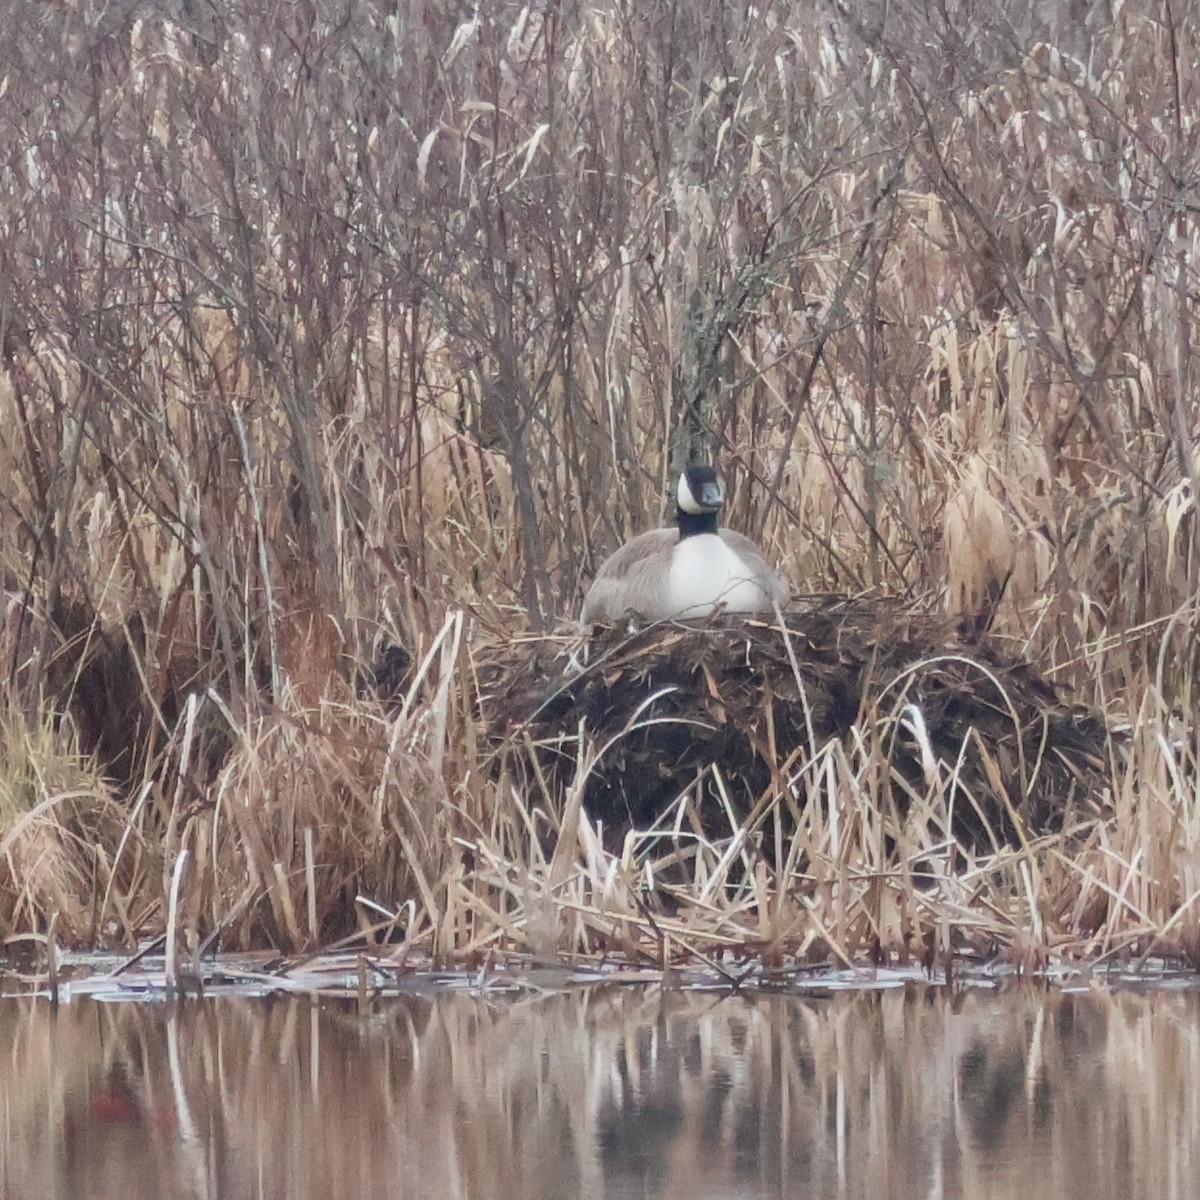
[{"x": 618, "y": 1092}]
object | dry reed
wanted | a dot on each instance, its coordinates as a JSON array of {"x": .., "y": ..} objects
[{"x": 317, "y": 334}]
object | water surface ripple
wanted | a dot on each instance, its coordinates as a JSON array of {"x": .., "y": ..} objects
[{"x": 925, "y": 1092}]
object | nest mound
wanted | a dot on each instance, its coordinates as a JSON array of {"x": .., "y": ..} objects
[{"x": 759, "y": 698}]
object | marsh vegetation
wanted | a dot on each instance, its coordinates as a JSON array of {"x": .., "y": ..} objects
[{"x": 341, "y": 342}]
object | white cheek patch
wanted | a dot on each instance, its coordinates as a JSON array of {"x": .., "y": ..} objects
[
  {"x": 706, "y": 572},
  {"x": 684, "y": 497}
]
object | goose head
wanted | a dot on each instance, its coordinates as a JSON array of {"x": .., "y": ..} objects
[{"x": 699, "y": 491}]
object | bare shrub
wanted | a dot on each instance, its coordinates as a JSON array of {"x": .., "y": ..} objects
[{"x": 318, "y": 321}]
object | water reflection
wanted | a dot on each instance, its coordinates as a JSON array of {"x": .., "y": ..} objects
[{"x": 610, "y": 1093}]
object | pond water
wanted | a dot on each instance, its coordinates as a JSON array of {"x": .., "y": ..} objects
[{"x": 914, "y": 1091}]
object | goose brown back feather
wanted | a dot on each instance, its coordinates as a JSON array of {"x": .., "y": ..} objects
[{"x": 636, "y": 579}]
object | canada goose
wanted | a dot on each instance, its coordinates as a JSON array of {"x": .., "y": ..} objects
[{"x": 687, "y": 571}]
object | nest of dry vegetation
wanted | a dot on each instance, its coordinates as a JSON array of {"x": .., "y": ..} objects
[{"x": 739, "y": 714}]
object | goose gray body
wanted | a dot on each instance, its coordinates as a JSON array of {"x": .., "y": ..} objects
[{"x": 687, "y": 571}]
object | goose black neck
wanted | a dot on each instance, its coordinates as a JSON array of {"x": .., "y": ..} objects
[{"x": 691, "y": 524}]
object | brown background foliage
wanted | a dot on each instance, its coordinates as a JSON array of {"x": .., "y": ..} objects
[{"x": 321, "y": 318}]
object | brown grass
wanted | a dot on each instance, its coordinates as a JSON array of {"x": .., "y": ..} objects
[{"x": 322, "y": 336}]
